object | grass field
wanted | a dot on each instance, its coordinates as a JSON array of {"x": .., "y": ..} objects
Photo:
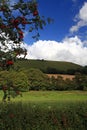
[
  {"x": 50, "y": 96},
  {"x": 53, "y": 99},
  {"x": 45, "y": 110},
  {"x": 54, "y": 96}
]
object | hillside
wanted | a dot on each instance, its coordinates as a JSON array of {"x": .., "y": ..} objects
[{"x": 48, "y": 66}]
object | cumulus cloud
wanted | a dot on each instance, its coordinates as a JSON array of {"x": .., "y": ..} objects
[
  {"x": 81, "y": 19},
  {"x": 70, "y": 49}
]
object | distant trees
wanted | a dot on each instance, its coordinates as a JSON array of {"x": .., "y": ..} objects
[
  {"x": 53, "y": 70},
  {"x": 39, "y": 81},
  {"x": 80, "y": 81},
  {"x": 59, "y": 84},
  {"x": 34, "y": 79}
]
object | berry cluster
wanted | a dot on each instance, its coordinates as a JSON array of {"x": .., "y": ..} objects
[{"x": 15, "y": 23}]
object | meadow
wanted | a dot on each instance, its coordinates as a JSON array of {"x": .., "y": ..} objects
[{"x": 45, "y": 110}]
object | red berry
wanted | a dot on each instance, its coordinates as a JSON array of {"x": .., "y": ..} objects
[
  {"x": 20, "y": 32},
  {"x": 4, "y": 88},
  {"x": 24, "y": 22},
  {"x": 35, "y": 13},
  {"x": 10, "y": 62},
  {"x": 23, "y": 18},
  {"x": 2, "y": 26},
  {"x": 16, "y": 21},
  {"x": 16, "y": 26},
  {"x": 21, "y": 36},
  {"x": 3, "y": 9}
]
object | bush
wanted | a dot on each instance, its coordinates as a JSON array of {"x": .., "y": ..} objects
[{"x": 37, "y": 79}]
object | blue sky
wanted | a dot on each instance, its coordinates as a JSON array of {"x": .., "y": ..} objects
[
  {"x": 63, "y": 12},
  {"x": 66, "y": 38}
]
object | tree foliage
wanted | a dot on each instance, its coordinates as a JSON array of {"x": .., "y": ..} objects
[
  {"x": 12, "y": 83},
  {"x": 15, "y": 18},
  {"x": 37, "y": 79}
]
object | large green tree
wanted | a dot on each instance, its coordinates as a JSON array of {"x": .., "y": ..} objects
[{"x": 15, "y": 18}]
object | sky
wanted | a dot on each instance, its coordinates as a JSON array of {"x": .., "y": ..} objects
[{"x": 66, "y": 38}]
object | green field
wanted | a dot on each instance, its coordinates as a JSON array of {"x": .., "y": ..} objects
[
  {"x": 45, "y": 110},
  {"x": 50, "y": 97}
]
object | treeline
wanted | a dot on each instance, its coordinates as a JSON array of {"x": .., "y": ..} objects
[
  {"x": 40, "y": 81},
  {"x": 51, "y": 70},
  {"x": 34, "y": 79}
]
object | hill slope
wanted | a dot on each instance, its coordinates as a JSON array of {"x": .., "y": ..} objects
[{"x": 48, "y": 66}]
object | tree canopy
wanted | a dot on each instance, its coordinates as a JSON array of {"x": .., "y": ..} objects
[{"x": 15, "y": 18}]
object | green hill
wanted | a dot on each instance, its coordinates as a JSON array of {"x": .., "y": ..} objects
[{"x": 48, "y": 66}]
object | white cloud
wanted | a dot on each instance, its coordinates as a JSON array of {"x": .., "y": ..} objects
[
  {"x": 81, "y": 19},
  {"x": 70, "y": 49},
  {"x": 83, "y": 12}
]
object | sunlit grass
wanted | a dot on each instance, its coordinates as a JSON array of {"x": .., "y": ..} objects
[{"x": 50, "y": 96}]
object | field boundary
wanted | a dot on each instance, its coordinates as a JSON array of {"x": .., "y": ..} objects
[{"x": 65, "y": 76}]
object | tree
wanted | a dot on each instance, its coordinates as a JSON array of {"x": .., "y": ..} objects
[
  {"x": 12, "y": 83},
  {"x": 15, "y": 18},
  {"x": 37, "y": 79},
  {"x": 80, "y": 81}
]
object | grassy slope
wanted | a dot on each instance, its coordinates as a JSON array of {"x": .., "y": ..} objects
[{"x": 43, "y": 65}]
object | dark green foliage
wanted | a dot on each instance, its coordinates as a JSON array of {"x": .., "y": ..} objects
[
  {"x": 37, "y": 79},
  {"x": 60, "y": 84},
  {"x": 31, "y": 116},
  {"x": 12, "y": 83},
  {"x": 84, "y": 70},
  {"x": 80, "y": 81},
  {"x": 34, "y": 79},
  {"x": 70, "y": 84}
]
